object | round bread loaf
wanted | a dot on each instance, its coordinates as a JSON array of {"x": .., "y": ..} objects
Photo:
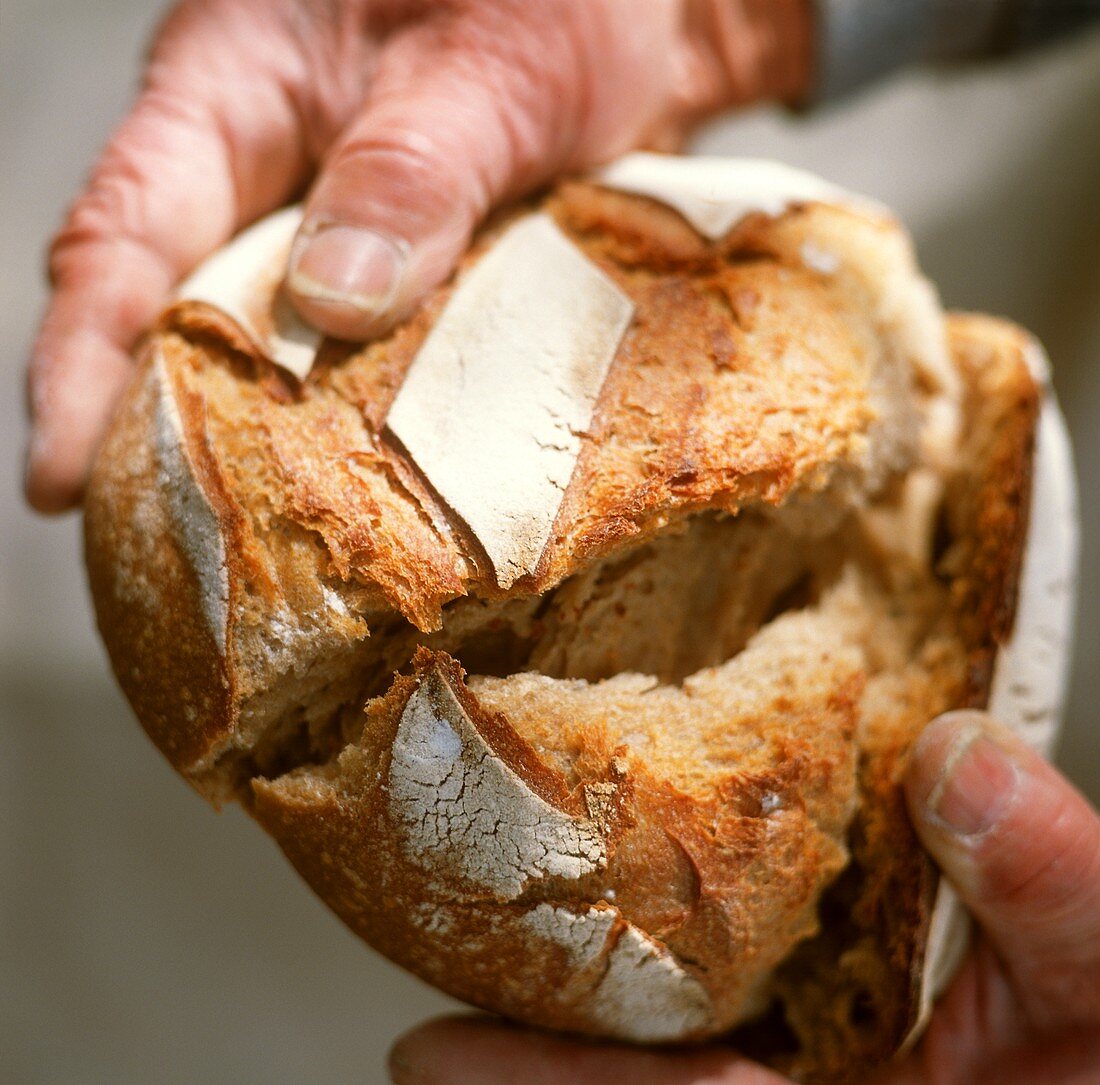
[{"x": 570, "y": 639}]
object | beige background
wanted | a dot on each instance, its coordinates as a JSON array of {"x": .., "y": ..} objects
[{"x": 144, "y": 938}]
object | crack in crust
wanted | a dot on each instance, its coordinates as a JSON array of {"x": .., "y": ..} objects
[
  {"x": 633, "y": 986},
  {"x": 465, "y": 814}
]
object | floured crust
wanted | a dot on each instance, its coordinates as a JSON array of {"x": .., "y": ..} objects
[
  {"x": 746, "y": 377},
  {"x": 161, "y": 584},
  {"x": 251, "y": 311},
  {"x": 750, "y": 602},
  {"x": 849, "y": 992},
  {"x": 471, "y": 820},
  {"x": 509, "y": 377},
  {"x": 651, "y": 839}
]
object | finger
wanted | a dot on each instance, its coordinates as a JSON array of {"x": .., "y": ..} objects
[
  {"x": 462, "y": 113},
  {"x": 461, "y": 1050},
  {"x": 210, "y": 144},
  {"x": 1072, "y": 1058},
  {"x": 1022, "y": 847},
  {"x": 976, "y": 1015}
]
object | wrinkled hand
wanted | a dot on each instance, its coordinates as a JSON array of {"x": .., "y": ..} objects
[
  {"x": 414, "y": 116},
  {"x": 1023, "y": 849}
]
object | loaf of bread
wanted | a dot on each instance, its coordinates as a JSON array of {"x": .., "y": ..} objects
[{"x": 571, "y": 638}]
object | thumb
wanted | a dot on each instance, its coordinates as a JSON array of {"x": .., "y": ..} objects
[
  {"x": 1022, "y": 847},
  {"x": 461, "y": 115},
  {"x": 459, "y": 1050}
]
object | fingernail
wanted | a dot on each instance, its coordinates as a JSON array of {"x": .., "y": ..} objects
[
  {"x": 347, "y": 265},
  {"x": 976, "y": 786}
]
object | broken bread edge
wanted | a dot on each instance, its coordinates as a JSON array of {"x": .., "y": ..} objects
[
  {"x": 486, "y": 851},
  {"x": 422, "y": 929},
  {"x": 271, "y": 654},
  {"x": 1028, "y": 682}
]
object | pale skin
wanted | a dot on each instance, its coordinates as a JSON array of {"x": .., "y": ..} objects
[{"x": 401, "y": 123}]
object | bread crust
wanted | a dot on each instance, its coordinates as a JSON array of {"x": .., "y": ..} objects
[
  {"x": 747, "y": 378},
  {"x": 496, "y": 858},
  {"x": 853, "y": 988},
  {"x": 262, "y": 556},
  {"x": 861, "y": 1012},
  {"x": 147, "y": 589}
]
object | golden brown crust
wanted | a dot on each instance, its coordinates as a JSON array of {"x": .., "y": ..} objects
[
  {"x": 262, "y": 556},
  {"x": 849, "y": 994},
  {"x": 725, "y": 878},
  {"x": 148, "y": 596},
  {"x": 877, "y": 915},
  {"x": 989, "y": 522},
  {"x": 746, "y": 378}
]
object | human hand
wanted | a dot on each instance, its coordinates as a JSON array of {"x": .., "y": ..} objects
[
  {"x": 415, "y": 116},
  {"x": 1022, "y": 848}
]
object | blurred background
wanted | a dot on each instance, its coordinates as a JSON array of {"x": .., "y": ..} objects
[{"x": 144, "y": 938}]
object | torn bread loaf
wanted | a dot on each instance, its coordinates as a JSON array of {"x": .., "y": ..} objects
[{"x": 570, "y": 639}]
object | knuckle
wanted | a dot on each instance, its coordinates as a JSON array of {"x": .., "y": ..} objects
[
  {"x": 533, "y": 71},
  {"x": 405, "y": 157},
  {"x": 89, "y": 224},
  {"x": 111, "y": 204},
  {"x": 115, "y": 206},
  {"x": 403, "y": 172}
]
